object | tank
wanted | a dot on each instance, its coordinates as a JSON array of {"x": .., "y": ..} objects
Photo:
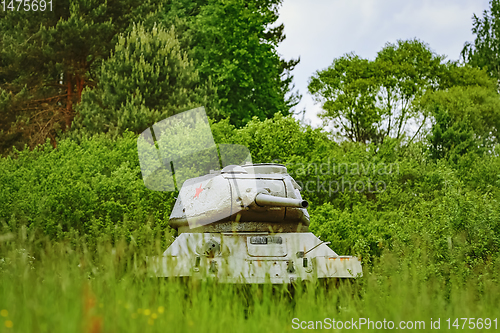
[{"x": 242, "y": 223}]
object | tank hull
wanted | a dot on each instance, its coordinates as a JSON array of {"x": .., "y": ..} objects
[{"x": 253, "y": 258}]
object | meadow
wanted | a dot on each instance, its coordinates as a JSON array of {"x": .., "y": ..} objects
[
  {"x": 76, "y": 224},
  {"x": 49, "y": 286}
]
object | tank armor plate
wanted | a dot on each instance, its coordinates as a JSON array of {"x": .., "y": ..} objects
[{"x": 253, "y": 258}]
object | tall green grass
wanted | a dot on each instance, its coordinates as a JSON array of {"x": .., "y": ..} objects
[
  {"x": 76, "y": 224},
  {"x": 51, "y": 286}
]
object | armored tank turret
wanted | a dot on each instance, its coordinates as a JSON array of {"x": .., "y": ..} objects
[{"x": 240, "y": 224}]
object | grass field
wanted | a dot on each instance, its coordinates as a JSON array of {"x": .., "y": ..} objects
[
  {"x": 77, "y": 223},
  {"x": 48, "y": 286}
]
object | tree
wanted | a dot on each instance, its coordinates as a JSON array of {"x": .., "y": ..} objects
[
  {"x": 484, "y": 52},
  {"x": 466, "y": 119},
  {"x": 147, "y": 78},
  {"x": 464, "y": 112},
  {"x": 348, "y": 90},
  {"x": 52, "y": 56},
  {"x": 234, "y": 44},
  {"x": 405, "y": 71},
  {"x": 371, "y": 100},
  {"x": 464, "y": 75}
]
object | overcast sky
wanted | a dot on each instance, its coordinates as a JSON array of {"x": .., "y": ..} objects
[{"x": 318, "y": 31}]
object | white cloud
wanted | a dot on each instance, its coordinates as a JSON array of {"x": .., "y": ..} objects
[{"x": 320, "y": 30}]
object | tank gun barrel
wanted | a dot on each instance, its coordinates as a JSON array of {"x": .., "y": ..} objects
[{"x": 262, "y": 199}]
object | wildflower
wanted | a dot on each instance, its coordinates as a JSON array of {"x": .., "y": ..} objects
[
  {"x": 9, "y": 323},
  {"x": 147, "y": 312},
  {"x": 161, "y": 309},
  {"x": 154, "y": 316},
  {"x": 4, "y": 313}
]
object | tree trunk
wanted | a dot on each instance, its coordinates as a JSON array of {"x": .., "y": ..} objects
[
  {"x": 53, "y": 140},
  {"x": 69, "y": 104},
  {"x": 80, "y": 84}
]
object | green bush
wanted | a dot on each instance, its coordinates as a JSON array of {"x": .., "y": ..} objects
[
  {"x": 440, "y": 213},
  {"x": 93, "y": 188}
]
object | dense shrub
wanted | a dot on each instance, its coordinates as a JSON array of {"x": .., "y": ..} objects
[
  {"x": 93, "y": 188},
  {"x": 440, "y": 215}
]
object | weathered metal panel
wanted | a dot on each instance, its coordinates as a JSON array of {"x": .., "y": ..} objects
[
  {"x": 225, "y": 233},
  {"x": 253, "y": 258}
]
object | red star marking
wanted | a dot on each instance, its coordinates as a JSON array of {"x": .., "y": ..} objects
[{"x": 198, "y": 191}]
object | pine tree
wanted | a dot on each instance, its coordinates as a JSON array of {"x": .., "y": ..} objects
[
  {"x": 147, "y": 78},
  {"x": 52, "y": 55}
]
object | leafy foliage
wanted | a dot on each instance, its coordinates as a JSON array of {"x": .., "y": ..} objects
[
  {"x": 465, "y": 121},
  {"x": 52, "y": 56},
  {"x": 424, "y": 218},
  {"x": 109, "y": 289},
  {"x": 365, "y": 200},
  {"x": 484, "y": 52},
  {"x": 80, "y": 218},
  {"x": 147, "y": 78},
  {"x": 349, "y": 91},
  {"x": 406, "y": 71},
  {"x": 47, "y": 61},
  {"x": 93, "y": 188},
  {"x": 234, "y": 44},
  {"x": 372, "y": 100}
]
